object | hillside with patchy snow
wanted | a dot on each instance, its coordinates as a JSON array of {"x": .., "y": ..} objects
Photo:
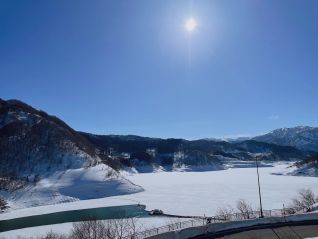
[
  {"x": 45, "y": 161},
  {"x": 306, "y": 167},
  {"x": 152, "y": 154},
  {"x": 301, "y": 137}
]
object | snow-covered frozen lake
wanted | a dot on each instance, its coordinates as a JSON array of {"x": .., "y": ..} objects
[{"x": 198, "y": 193}]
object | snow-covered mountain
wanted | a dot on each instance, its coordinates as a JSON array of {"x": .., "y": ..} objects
[
  {"x": 33, "y": 142},
  {"x": 144, "y": 153},
  {"x": 41, "y": 155},
  {"x": 301, "y": 137},
  {"x": 43, "y": 160}
]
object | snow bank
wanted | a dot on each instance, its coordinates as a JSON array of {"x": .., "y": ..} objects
[
  {"x": 65, "y": 228},
  {"x": 290, "y": 169},
  {"x": 72, "y": 185},
  {"x": 306, "y": 170}
]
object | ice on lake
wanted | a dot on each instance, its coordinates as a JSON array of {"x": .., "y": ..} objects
[{"x": 199, "y": 193}]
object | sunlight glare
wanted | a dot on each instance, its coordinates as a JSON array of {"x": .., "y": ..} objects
[{"x": 190, "y": 24}]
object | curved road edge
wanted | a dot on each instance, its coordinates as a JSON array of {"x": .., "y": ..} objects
[
  {"x": 214, "y": 235},
  {"x": 215, "y": 230}
]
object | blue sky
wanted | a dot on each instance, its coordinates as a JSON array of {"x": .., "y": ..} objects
[{"x": 130, "y": 67}]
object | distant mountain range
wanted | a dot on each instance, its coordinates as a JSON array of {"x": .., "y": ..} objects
[
  {"x": 31, "y": 139},
  {"x": 35, "y": 145},
  {"x": 301, "y": 137},
  {"x": 137, "y": 152}
]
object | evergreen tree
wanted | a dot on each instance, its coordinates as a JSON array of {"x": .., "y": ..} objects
[{"x": 3, "y": 204}]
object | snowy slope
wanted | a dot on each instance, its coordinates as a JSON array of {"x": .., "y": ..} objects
[
  {"x": 301, "y": 137},
  {"x": 44, "y": 161},
  {"x": 71, "y": 185},
  {"x": 35, "y": 143},
  {"x": 307, "y": 167},
  {"x": 305, "y": 170}
]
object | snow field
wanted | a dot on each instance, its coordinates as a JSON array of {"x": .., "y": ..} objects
[{"x": 192, "y": 193}]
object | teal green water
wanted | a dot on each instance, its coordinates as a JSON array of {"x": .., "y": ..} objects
[{"x": 74, "y": 216}]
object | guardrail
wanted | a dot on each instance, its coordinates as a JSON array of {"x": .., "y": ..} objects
[
  {"x": 215, "y": 219},
  {"x": 168, "y": 228}
]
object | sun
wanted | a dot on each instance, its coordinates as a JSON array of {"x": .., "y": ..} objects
[{"x": 190, "y": 24}]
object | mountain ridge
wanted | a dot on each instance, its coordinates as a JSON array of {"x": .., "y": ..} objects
[
  {"x": 301, "y": 137},
  {"x": 34, "y": 143},
  {"x": 39, "y": 150},
  {"x": 45, "y": 161}
]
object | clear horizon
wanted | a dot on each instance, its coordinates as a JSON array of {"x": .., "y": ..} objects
[
  {"x": 210, "y": 137},
  {"x": 131, "y": 67}
]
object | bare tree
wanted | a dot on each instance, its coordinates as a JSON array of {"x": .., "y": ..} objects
[
  {"x": 225, "y": 213},
  {"x": 305, "y": 200},
  {"x": 308, "y": 198},
  {"x": 289, "y": 211},
  {"x": 118, "y": 228},
  {"x": 134, "y": 228},
  {"x": 245, "y": 209},
  {"x": 123, "y": 227},
  {"x": 91, "y": 229},
  {"x": 108, "y": 229},
  {"x": 53, "y": 235},
  {"x": 297, "y": 204}
]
